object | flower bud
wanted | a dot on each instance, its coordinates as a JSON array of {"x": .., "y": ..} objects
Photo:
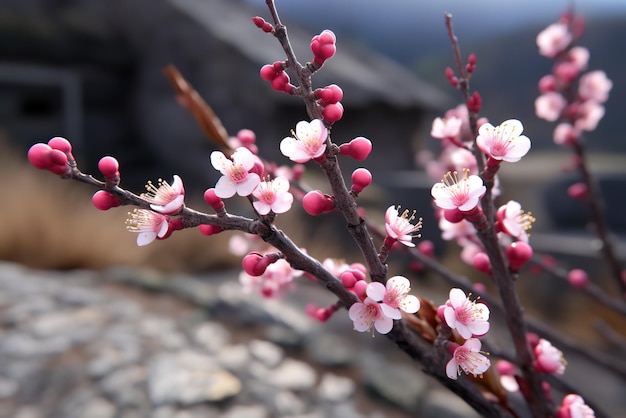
[
  {"x": 104, "y": 200},
  {"x": 350, "y": 277},
  {"x": 109, "y": 167},
  {"x": 453, "y": 215},
  {"x": 482, "y": 263},
  {"x": 39, "y": 156},
  {"x": 361, "y": 178},
  {"x": 61, "y": 144},
  {"x": 268, "y": 73},
  {"x": 213, "y": 200},
  {"x": 518, "y": 254},
  {"x": 359, "y": 148},
  {"x": 577, "y": 191},
  {"x": 330, "y": 94},
  {"x": 427, "y": 248},
  {"x": 360, "y": 289},
  {"x": 209, "y": 229},
  {"x": 578, "y": 278},
  {"x": 315, "y": 203},
  {"x": 333, "y": 112}
]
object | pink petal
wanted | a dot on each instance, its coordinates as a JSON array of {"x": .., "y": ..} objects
[
  {"x": 220, "y": 162},
  {"x": 244, "y": 157},
  {"x": 400, "y": 283},
  {"x": 452, "y": 369},
  {"x": 473, "y": 344},
  {"x": 450, "y": 317},
  {"x": 463, "y": 330}
]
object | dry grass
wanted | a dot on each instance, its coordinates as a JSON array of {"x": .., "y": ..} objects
[{"x": 50, "y": 223}]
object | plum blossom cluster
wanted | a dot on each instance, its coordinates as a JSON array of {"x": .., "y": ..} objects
[
  {"x": 458, "y": 195},
  {"x": 577, "y": 112},
  {"x": 381, "y": 304}
]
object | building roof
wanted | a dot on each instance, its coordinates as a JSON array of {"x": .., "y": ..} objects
[{"x": 365, "y": 75}]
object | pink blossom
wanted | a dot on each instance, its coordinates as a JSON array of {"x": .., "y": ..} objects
[
  {"x": 149, "y": 225},
  {"x": 277, "y": 277},
  {"x": 468, "y": 358},
  {"x": 579, "y": 56},
  {"x": 399, "y": 227},
  {"x": 237, "y": 177},
  {"x": 446, "y": 128},
  {"x": 455, "y": 230},
  {"x": 467, "y": 317},
  {"x": 514, "y": 221},
  {"x": 503, "y": 142},
  {"x": 394, "y": 296},
  {"x": 549, "y": 106},
  {"x": 589, "y": 115},
  {"x": 273, "y": 196},
  {"x": 595, "y": 86},
  {"x": 463, "y": 194},
  {"x": 574, "y": 406},
  {"x": 553, "y": 40},
  {"x": 309, "y": 141},
  {"x": 548, "y": 359},
  {"x": 565, "y": 134},
  {"x": 367, "y": 314},
  {"x": 165, "y": 199}
]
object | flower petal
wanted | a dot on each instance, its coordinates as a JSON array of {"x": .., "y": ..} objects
[{"x": 376, "y": 291}]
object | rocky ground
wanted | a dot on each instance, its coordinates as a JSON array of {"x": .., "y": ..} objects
[{"x": 128, "y": 343}]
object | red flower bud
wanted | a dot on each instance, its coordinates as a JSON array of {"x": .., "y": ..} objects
[
  {"x": 359, "y": 148},
  {"x": 109, "y": 167},
  {"x": 518, "y": 254},
  {"x": 333, "y": 112},
  {"x": 104, "y": 200},
  {"x": 315, "y": 203},
  {"x": 39, "y": 156},
  {"x": 361, "y": 178}
]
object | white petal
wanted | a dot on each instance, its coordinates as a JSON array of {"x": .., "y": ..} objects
[
  {"x": 457, "y": 297},
  {"x": 383, "y": 325},
  {"x": 220, "y": 162},
  {"x": 244, "y": 157},
  {"x": 246, "y": 187},
  {"x": 450, "y": 316},
  {"x": 388, "y": 311},
  {"x": 478, "y": 328},
  {"x": 410, "y": 304},
  {"x": 261, "y": 207},
  {"x": 145, "y": 238},
  {"x": 400, "y": 283},
  {"x": 376, "y": 291},
  {"x": 225, "y": 188}
]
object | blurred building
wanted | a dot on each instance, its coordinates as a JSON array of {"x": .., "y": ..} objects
[{"x": 91, "y": 70}]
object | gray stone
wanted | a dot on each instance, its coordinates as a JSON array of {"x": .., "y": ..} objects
[
  {"x": 288, "y": 403},
  {"x": 99, "y": 408},
  {"x": 189, "y": 377},
  {"x": 440, "y": 403},
  {"x": 19, "y": 344},
  {"x": 234, "y": 357},
  {"x": 246, "y": 411},
  {"x": 126, "y": 386},
  {"x": 269, "y": 354},
  {"x": 330, "y": 349},
  {"x": 79, "y": 326},
  {"x": 333, "y": 388},
  {"x": 400, "y": 385},
  {"x": 211, "y": 336},
  {"x": 8, "y": 387},
  {"x": 290, "y": 374}
]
